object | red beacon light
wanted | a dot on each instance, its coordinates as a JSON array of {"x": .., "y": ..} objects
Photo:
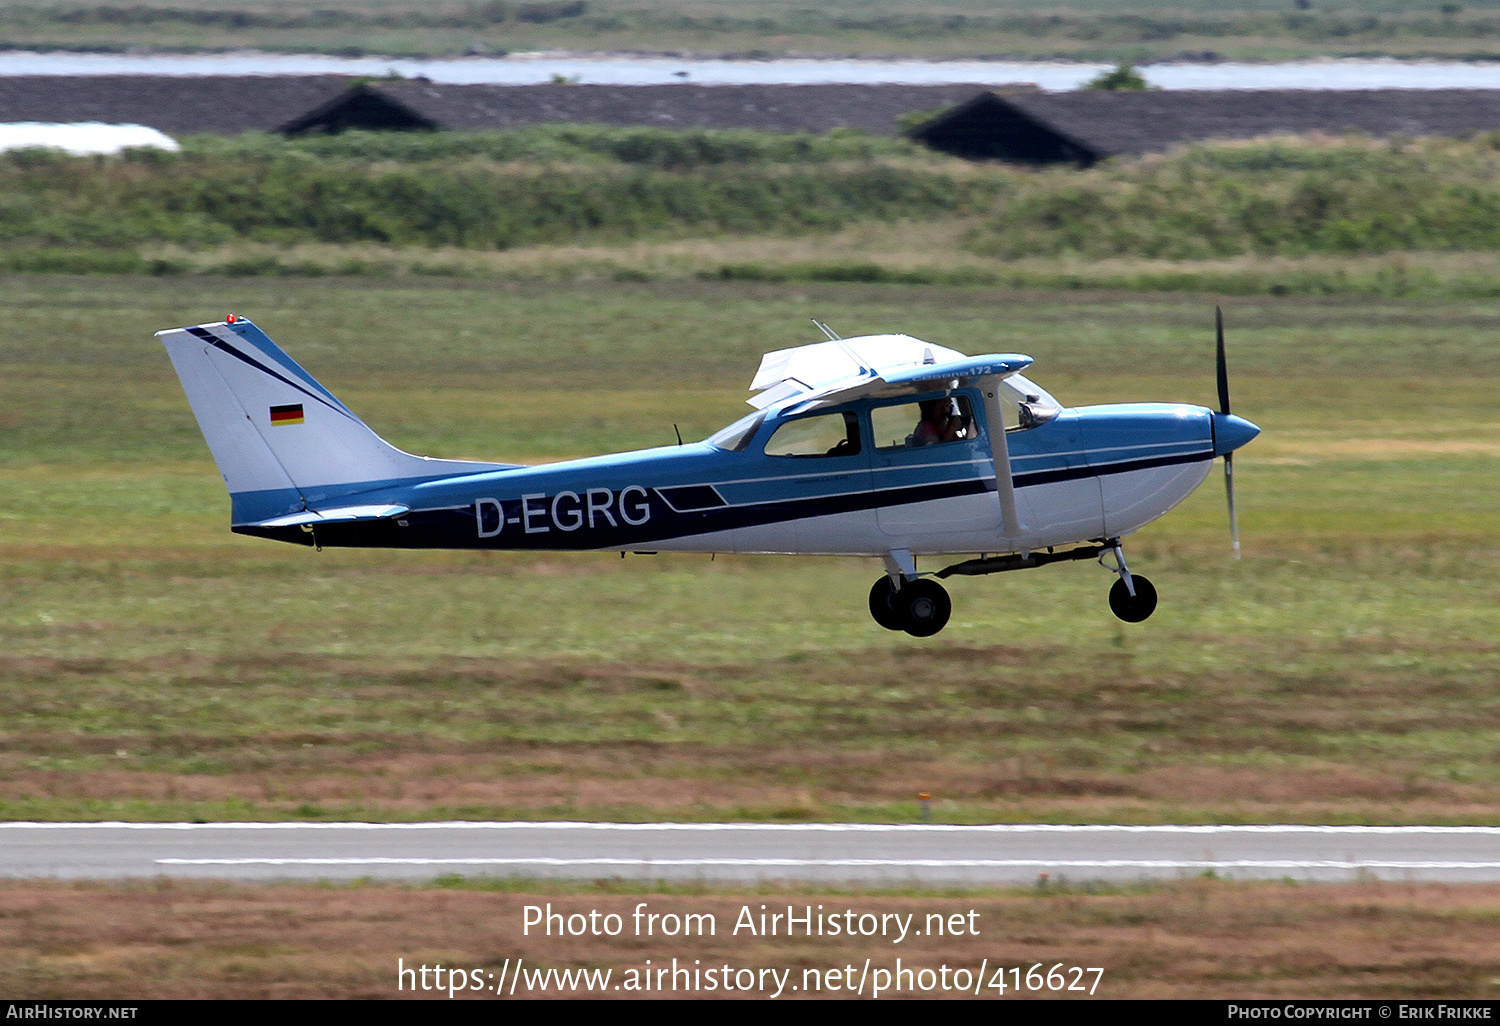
[{"x": 230, "y": 319}]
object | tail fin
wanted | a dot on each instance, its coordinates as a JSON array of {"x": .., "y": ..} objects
[{"x": 282, "y": 441}]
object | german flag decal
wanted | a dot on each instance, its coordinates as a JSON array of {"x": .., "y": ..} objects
[{"x": 281, "y": 415}]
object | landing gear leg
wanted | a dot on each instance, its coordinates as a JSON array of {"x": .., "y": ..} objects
[{"x": 1133, "y": 597}]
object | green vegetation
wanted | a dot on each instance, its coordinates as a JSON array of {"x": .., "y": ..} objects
[
  {"x": 1342, "y": 197},
  {"x": 1309, "y": 216},
  {"x": 1123, "y": 77},
  {"x": 423, "y": 192},
  {"x": 671, "y": 149},
  {"x": 156, "y": 666},
  {"x": 1110, "y": 30}
]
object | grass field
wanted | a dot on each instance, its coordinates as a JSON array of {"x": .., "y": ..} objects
[
  {"x": 1191, "y": 939},
  {"x": 152, "y": 665}
]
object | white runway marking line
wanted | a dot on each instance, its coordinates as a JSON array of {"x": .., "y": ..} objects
[{"x": 841, "y": 863}]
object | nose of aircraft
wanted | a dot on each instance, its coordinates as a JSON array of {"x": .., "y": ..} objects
[{"x": 1231, "y": 432}]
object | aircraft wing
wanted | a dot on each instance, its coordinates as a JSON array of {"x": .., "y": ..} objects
[
  {"x": 877, "y": 365},
  {"x": 844, "y": 369}
]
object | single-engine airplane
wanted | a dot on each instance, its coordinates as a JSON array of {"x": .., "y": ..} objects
[{"x": 882, "y": 445}]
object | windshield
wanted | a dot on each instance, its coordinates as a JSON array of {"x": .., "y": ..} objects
[
  {"x": 1027, "y": 405},
  {"x": 736, "y": 436}
]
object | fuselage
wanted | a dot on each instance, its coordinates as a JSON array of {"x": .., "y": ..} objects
[{"x": 770, "y": 484}]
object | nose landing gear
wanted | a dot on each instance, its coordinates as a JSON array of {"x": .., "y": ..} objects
[{"x": 1133, "y": 597}]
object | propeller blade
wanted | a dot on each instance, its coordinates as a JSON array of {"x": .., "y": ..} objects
[
  {"x": 1234, "y": 523},
  {"x": 1221, "y": 365}
]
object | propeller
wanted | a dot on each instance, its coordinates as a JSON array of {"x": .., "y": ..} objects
[{"x": 1222, "y": 369}]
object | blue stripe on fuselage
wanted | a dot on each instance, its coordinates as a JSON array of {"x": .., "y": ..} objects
[
  {"x": 608, "y": 502},
  {"x": 636, "y": 515}
]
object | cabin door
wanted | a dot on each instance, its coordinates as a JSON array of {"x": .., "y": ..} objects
[{"x": 928, "y": 464}]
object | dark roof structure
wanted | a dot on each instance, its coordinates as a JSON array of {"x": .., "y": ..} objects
[
  {"x": 1088, "y": 125},
  {"x": 362, "y": 107},
  {"x": 1016, "y": 125},
  {"x": 876, "y": 109},
  {"x": 176, "y": 105},
  {"x": 229, "y": 105}
]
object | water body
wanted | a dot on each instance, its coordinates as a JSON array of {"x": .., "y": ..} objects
[{"x": 527, "y": 69}]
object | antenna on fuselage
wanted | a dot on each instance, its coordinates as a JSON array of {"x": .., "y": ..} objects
[{"x": 833, "y": 336}]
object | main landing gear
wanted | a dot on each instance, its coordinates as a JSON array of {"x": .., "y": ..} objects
[{"x": 921, "y": 607}]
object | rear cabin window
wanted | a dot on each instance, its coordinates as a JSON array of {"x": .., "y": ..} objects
[
  {"x": 830, "y": 434},
  {"x": 930, "y": 422}
]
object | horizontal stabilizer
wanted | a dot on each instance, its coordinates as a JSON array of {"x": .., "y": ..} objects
[{"x": 343, "y": 514}]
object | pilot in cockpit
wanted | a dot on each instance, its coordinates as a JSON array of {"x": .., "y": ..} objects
[{"x": 941, "y": 422}]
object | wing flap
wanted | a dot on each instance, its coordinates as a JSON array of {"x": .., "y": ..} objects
[{"x": 777, "y": 394}]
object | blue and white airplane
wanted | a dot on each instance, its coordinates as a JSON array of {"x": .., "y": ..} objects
[{"x": 883, "y": 446}]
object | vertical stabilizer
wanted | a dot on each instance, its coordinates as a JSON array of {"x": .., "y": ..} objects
[{"x": 283, "y": 442}]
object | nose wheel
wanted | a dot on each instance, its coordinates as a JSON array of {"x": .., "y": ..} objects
[
  {"x": 921, "y": 608},
  {"x": 1133, "y": 608},
  {"x": 1133, "y": 597}
]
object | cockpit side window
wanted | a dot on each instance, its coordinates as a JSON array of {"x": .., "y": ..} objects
[
  {"x": 827, "y": 434},
  {"x": 929, "y": 422}
]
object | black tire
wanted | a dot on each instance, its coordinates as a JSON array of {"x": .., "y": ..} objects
[
  {"x": 1133, "y": 609},
  {"x": 882, "y": 606},
  {"x": 925, "y": 607}
]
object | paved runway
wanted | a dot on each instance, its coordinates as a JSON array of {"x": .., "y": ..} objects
[{"x": 745, "y": 852}]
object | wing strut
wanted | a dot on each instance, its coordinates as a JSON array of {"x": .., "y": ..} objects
[{"x": 1000, "y": 449}]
